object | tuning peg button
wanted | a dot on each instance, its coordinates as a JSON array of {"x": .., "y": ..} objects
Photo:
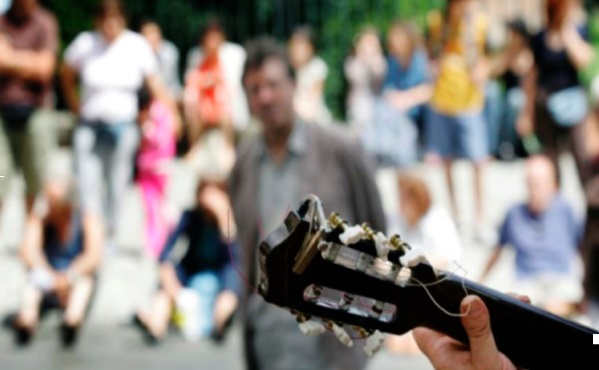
[
  {"x": 352, "y": 235},
  {"x": 312, "y": 327},
  {"x": 342, "y": 335},
  {"x": 412, "y": 257},
  {"x": 374, "y": 343},
  {"x": 382, "y": 245}
]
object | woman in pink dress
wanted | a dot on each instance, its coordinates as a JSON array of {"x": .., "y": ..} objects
[{"x": 158, "y": 147}]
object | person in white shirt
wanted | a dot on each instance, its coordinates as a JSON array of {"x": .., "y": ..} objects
[
  {"x": 112, "y": 64},
  {"x": 232, "y": 57},
  {"x": 311, "y": 74},
  {"x": 427, "y": 227}
]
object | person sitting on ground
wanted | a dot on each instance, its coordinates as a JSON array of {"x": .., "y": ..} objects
[
  {"x": 206, "y": 269},
  {"x": 62, "y": 250},
  {"x": 425, "y": 226},
  {"x": 546, "y": 236}
]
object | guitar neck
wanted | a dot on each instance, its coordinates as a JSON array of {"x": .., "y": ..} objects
[{"x": 530, "y": 337}]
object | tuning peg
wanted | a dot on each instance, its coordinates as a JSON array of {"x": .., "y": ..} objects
[
  {"x": 374, "y": 343},
  {"x": 307, "y": 325},
  {"x": 412, "y": 257},
  {"x": 352, "y": 235},
  {"x": 313, "y": 292},
  {"x": 368, "y": 230},
  {"x": 340, "y": 333},
  {"x": 382, "y": 245},
  {"x": 377, "y": 309},
  {"x": 335, "y": 221},
  {"x": 312, "y": 327},
  {"x": 346, "y": 301}
]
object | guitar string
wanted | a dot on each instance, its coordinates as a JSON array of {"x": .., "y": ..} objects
[
  {"x": 446, "y": 277},
  {"x": 230, "y": 248},
  {"x": 419, "y": 283},
  {"x": 243, "y": 278},
  {"x": 436, "y": 303}
]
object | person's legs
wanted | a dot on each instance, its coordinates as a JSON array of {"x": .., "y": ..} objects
[
  {"x": 157, "y": 319},
  {"x": 547, "y": 132},
  {"x": 473, "y": 145},
  {"x": 493, "y": 114},
  {"x": 440, "y": 143},
  {"x": 75, "y": 310},
  {"x": 78, "y": 301},
  {"x": 26, "y": 320},
  {"x": 153, "y": 192},
  {"x": 227, "y": 300},
  {"x": 207, "y": 285},
  {"x": 88, "y": 168},
  {"x": 29, "y": 313},
  {"x": 448, "y": 170},
  {"x": 35, "y": 148},
  {"x": 119, "y": 168},
  {"x": 224, "y": 307},
  {"x": 6, "y": 163}
]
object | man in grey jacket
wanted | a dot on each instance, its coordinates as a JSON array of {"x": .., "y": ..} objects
[{"x": 275, "y": 170}]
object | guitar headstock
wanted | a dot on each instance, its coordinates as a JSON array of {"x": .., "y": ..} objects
[{"x": 348, "y": 279}]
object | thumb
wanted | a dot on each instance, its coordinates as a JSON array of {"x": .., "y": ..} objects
[{"x": 478, "y": 327}]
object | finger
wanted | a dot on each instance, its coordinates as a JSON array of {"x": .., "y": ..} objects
[
  {"x": 427, "y": 340},
  {"x": 478, "y": 327},
  {"x": 523, "y": 298}
]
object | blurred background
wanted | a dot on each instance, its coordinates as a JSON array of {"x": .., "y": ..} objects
[{"x": 372, "y": 68}]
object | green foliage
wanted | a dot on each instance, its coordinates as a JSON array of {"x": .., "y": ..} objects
[
  {"x": 335, "y": 22},
  {"x": 593, "y": 70},
  {"x": 346, "y": 19}
]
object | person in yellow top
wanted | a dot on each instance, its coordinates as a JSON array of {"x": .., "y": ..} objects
[{"x": 455, "y": 124}]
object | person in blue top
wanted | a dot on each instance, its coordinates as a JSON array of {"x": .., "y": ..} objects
[
  {"x": 62, "y": 250},
  {"x": 393, "y": 136},
  {"x": 206, "y": 268},
  {"x": 546, "y": 236},
  {"x": 407, "y": 85}
]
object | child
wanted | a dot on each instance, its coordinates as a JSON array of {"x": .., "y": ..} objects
[{"x": 158, "y": 146}]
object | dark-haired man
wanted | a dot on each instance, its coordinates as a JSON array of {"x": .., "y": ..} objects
[{"x": 274, "y": 171}]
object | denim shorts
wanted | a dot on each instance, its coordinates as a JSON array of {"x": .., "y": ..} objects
[{"x": 462, "y": 136}]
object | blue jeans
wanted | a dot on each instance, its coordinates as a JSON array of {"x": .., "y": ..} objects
[
  {"x": 461, "y": 136},
  {"x": 207, "y": 284},
  {"x": 104, "y": 154}
]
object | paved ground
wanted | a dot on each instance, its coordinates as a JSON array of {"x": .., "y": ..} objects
[{"x": 127, "y": 278}]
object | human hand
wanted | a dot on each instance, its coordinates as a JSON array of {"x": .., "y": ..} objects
[{"x": 482, "y": 354}]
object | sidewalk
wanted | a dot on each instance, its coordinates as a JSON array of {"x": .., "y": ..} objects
[{"x": 127, "y": 278}]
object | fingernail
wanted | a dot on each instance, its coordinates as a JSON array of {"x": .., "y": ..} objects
[{"x": 472, "y": 307}]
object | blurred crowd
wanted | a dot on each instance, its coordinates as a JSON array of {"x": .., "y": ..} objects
[{"x": 259, "y": 136}]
